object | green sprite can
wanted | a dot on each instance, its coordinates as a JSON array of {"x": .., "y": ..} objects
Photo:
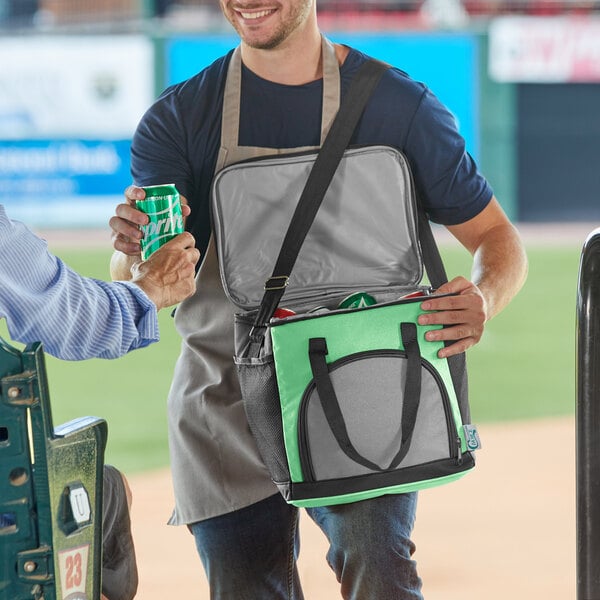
[
  {"x": 163, "y": 207},
  {"x": 357, "y": 300}
]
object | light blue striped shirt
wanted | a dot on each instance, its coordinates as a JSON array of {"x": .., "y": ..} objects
[{"x": 74, "y": 317}]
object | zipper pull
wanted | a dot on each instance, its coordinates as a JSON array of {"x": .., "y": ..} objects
[{"x": 458, "y": 451}]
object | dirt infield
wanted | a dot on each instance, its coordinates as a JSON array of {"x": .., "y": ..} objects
[{"x": 507, "y": 530}]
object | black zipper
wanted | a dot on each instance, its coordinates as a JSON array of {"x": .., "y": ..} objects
[
  {"x": 306, "y": 463},
  {"x": 342, "y": 311}
]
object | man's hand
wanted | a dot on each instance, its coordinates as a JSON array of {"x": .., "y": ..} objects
[
  {"x": 464, "y": 316},
  {"x": 126, "y": 233},
  {"x": 499, "y": 270},
  {"x": 168, "y": 276}
]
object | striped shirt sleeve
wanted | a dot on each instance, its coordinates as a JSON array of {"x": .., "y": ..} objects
[{"x": 74, "y": 317}]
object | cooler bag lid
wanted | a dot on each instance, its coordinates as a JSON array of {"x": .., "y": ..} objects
[{"x": 364, "y": 236}]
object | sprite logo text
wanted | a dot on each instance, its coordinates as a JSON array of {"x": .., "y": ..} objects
[
  {"x": 165, "y": 222},
  {"x": 163, "y": 225}
]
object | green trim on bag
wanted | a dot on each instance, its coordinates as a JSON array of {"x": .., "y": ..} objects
[
  {"x": 346, "y": 332},
  {"x": 403, "y": 488}
]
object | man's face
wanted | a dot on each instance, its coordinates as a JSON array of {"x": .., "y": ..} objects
[{"x": 264, "y": 24}]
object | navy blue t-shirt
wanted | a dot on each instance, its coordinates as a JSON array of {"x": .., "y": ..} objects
[{"x": 178, "y": 138}]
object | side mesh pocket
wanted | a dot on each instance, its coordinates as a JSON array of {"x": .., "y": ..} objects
[{"x": 261, "y": 402}]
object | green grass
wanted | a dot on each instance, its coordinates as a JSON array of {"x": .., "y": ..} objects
[{"x": 523, "y": 368}]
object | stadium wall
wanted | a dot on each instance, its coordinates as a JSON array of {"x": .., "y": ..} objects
[{"x": 69, "y": 106}]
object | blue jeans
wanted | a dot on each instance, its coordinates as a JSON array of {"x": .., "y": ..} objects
[{"x": 250, "y": 554}]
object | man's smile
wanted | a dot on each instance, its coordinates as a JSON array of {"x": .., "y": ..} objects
[{"x": 256, "y": 14}]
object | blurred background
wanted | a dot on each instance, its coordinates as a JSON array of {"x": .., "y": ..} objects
[
  {"x": 522, "y": 78},
  {"x": 523, "y": 81}
]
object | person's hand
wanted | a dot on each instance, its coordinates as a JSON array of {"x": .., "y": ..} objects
[
  {"x": 463, "y": 316},
  {"x": 125, "y": 224},
  {"x": 168, "y": 276}
]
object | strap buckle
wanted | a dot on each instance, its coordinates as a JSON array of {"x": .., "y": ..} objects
[
  {"x": 278, "y": 282},
  {"x": 257, "y": 333}
]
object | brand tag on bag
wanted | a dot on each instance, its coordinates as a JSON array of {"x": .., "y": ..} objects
[{"x": 472, "y": 437}]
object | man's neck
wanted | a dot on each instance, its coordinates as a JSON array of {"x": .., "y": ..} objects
[{"x": 295, "y": 61}]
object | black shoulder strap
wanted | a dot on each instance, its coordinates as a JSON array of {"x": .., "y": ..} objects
[
  {"x": 318, "y": 181},
  {"x": 432, "y": 259}
]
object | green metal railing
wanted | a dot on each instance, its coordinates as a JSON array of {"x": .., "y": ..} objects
[{"x": 50, "y": 489}]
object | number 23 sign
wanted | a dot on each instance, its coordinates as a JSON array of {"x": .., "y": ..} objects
[{"x": 73, "y": 565}]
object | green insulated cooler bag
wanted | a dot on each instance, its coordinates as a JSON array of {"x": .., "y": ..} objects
[{"x": 346, "y": 400}]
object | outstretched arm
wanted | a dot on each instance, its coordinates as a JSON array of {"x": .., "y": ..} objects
[{"x": 78, "y": 317}]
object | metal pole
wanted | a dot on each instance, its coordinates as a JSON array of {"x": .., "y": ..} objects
[{"x": 588, "y": 421}]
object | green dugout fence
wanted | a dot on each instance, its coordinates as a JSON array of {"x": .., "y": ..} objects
[{"x": 50, "y": 489}]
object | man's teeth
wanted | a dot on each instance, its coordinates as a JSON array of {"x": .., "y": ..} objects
[{"x": 255, "y": 15}]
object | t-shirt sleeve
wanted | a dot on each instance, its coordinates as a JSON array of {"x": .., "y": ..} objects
[
  {"x": 447, "y": 179},
  {"x": 159, "y": 147}
]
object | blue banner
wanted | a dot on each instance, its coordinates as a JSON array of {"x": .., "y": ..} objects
[{"x": 63, "y": 182}]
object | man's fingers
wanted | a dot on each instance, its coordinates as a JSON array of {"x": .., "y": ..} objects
[
  {"x": 183, "y": 250},
  {"x": 125, "y": 245},
  {"x": 453, "y": 309},
  {"x": 133, "y": 193},
  {"x": 456, "y": 332},
  {"x": 185, "y": 208},
  {"x": 181, "y": 241},
  {"x": 457, "y": 348},
  {"x": 125, "y": 225},
  {"x": 131, "y": 214}
]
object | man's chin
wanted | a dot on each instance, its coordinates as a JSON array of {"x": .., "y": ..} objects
[{"x": 262, "y": 42}]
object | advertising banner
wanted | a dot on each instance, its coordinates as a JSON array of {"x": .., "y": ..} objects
[
  {"x": 63, "y": 183},
  {"x": 545, "y": 49},
  {"x": 68, "y": 108}
]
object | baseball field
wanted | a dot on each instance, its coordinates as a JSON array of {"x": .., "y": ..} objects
[{"x": 505, "y": 530}]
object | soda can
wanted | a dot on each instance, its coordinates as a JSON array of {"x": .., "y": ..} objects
[
  {"x": 163, "y": 207},
  {"x": 417, "y": 294},
  {"x": 318, "y": 309},
  {"x": 357, "y": 300},
  {"x": 283, "y": 313}
]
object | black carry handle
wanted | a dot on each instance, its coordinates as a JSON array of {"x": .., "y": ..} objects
[
  {"x": 317, "y": 350},
  {"x": 320, "y": 177}
]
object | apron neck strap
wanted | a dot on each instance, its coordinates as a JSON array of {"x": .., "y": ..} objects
[{"x": 230, "y": 120}]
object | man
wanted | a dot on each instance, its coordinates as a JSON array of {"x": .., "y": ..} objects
[
  {"x": 78, "y": 317},
  {"x": 245, "y": 533}
]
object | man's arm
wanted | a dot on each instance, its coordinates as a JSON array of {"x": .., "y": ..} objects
[
  {"x": 78, "y": 317},
  {"x": 498, "y": 273}
]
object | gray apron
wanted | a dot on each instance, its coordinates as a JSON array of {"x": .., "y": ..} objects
[{"x": 215, "y": 463}]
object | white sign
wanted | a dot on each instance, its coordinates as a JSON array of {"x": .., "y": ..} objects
[
  {"x": 80, "y": 504},
  {"x": 545, "y": 49},
  {"x": 73, "y": 570},
  {"x": 81, "y": 87}
]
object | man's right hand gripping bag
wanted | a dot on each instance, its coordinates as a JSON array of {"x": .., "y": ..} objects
[{"x": 346, "y": 401}]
